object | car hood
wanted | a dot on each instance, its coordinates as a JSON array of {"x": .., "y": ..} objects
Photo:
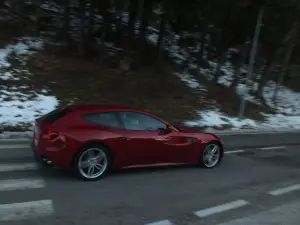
[{"x": 189, "y": 130}]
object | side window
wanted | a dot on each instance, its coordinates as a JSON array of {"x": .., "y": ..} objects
[
  {"x": 107, "y": 119},
  {"x": 139, "y": 121}
]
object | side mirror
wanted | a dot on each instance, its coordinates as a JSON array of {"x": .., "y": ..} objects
[{"x": 167, "y": 130}]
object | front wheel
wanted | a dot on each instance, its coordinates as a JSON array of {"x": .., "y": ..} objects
[
  {"x": 91, "y": 163},
  {"x": 211, "y": 155}
]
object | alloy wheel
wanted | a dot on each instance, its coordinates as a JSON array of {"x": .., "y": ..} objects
[
  {"x": 211, "y": 155},
  {"x": 92, "y": 163}
]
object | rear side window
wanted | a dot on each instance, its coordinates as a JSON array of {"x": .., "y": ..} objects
[
  {"x": 54, "y": 115},
  {"x": 107, "y": 119}
]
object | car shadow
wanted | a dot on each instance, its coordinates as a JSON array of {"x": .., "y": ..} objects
[
  {"x": 52, "y": 173},
  {"x": 151, "y": 170}
]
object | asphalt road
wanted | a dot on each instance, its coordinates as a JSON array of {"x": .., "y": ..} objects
[
  {"x": 263, "y": 140},
  {"x": 249, "y": 186}
]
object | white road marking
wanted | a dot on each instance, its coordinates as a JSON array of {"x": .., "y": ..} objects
[
  {"x": 234, "y": 151},
  {"x": 271, "y": 148},
  {"x": 254, "y": 149},
  {"x": 17, "y": 167},
  {"x": 221, "y": 208},
  {"x": 26, "y": 210},
  {"x": 161, "y": 222},
  {"x": 20, "y": 184},
  {"x": 285, "y": 190},
  {"x": 243, "y": 133},
  {"x": 286, "y": 214},
  {"x": 287, "y": 131},
  {"x": 14, "y": 146}
]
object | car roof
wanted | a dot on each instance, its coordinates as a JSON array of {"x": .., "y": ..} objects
[
  {"x": 97, "y": 108},
  {"x": 101, "y": 107}
]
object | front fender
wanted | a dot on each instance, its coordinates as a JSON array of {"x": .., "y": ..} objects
[{"x": 209, "y": 137}]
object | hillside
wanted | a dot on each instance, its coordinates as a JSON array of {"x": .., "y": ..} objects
[{"x": 39, "y": 73}]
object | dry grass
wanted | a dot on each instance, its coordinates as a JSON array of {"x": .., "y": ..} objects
[
  {"x": 230, "y": 102},
  {"x": 74, "y": 80},
  {"x": 77, "y": 81}
]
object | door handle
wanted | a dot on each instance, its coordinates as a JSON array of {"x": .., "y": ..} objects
[{"x": 124, "y": 138}]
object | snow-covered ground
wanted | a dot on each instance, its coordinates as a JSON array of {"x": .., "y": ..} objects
[
  {"x": 214, "y": 118},
  {"x": 19, "y": 107},
  {"x": 287, "y": 103},
  {"x": 287, "y": 107},
  {"x": 16, "y": 107}
]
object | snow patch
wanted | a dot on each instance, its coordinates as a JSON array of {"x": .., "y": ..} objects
[
  {"x": 153, "y": 38},
  {"x": 287, "y": 101},
  {"x": 17, "y": 107},
  {"x": 214, "y": 118},
  {"x": 21, "y": 109},
  {"x": 22, "y": 48},
  {"x": 287, "y": 104},
  {"x": 189, "y": 80}
]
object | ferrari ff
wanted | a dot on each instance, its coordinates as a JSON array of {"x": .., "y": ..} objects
[{"x": 92, "y": 139}]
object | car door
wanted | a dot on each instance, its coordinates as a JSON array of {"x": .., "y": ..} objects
[
  {"x": 150, "y": 145},
  {"x": 111, "y": 133}
]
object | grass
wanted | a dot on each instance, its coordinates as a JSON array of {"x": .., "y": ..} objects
[
  {"x": 230, "y": 102},
  {"x": 74, "y": 80}
]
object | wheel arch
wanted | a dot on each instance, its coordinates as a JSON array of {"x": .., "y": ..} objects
[{"x": 94, "y": 143}]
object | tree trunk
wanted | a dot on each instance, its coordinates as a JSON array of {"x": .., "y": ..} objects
[
  {"x": 141, "y": 8},
  {"x": 82, "y": 26},
  {"x": 264, "y": 79},
  {"x": 66, "y": 26},
  {"x": 91, "y": 19},
  {"x": 120, "y": 8},
  {"x": 203, "y": 41},
  {"x": 209, "y": 55},
  {"x": 2, "y": 5},
  {"x": 221, "y": 51},
  {"x": 133, "y": 12},
  {"x": 280, "y": 51},
  {"x": 289, "y": 51},
  {"x": 143, "y": 15},
  {"x": 252, "y": 56},
  {"x": 161, "y": 38},
  {"x": 221, "y": 61},
  {"x": 106, "y": 15},
  {"x": 38, "y": 16},
  {"x": 243, "y": 55}
]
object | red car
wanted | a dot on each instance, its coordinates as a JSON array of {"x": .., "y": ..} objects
[{"x": 91, "y": 139}]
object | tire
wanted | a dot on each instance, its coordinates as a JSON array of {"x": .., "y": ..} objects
[
  {"x": 84, "y": 153},
  {"x": 203, "y": 162}
]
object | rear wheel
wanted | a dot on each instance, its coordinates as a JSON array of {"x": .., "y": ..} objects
[
  {"x": 211, "y": 155},
  {"x": 92, "y": 162}
]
